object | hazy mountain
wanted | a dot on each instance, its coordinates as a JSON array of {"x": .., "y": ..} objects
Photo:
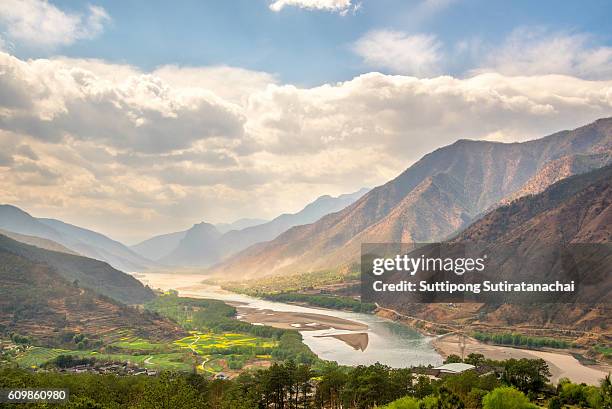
[
  {"x": 93, "y": 274},
  {"x": 38, "y": 297},
  {"x": 16, "y": 220},
  {"x": 160, "y": 246},
  {"x": 239, "y": 224},
  {"x": 235, "y": 241},
  {"x": 198, "y": 247},
  {"x": 204, "y": 247},
  {"x": 38, "y": 242},
  {"x": 76, "y": 239},
  {"x": 432, "y": 199}
]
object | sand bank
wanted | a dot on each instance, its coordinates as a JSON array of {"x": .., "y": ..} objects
[
  {"x": 358, "y": 341},
  {"x": 295, "y": 320}
]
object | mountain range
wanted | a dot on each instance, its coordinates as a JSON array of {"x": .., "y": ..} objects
[
  {"x": 205, "y": 244},
  {"x": 440, "y": 194},
  {"x": 75, "y": 239}
]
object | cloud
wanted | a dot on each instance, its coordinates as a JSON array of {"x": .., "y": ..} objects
[
  {"x": 53, "y": 100},
  {"x": 532, "y": 51},
  {"x": 400, "y": 53},
  {"x": 230, "y": 83},
  {"x": 38, "y": 23},
  {"x": 337, "y": 6},
  {"x": 135, "y": 153}
]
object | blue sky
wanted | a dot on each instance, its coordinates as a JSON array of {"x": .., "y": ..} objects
[{"x": 309, "y": 47}]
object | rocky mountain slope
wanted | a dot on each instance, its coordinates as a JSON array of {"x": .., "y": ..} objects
[{"x": 438, "y": 195}]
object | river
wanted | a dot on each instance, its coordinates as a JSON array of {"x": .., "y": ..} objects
[{"x": 387, "y": 342}]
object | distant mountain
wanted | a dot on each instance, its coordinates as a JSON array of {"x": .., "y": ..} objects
[
  {"x": 438, "y": 195},
  {"x": 160, "y": 246},
  {"x": 204, "y": 247},
  {"x": 198, "y": 247},
  {"x": 38, "y": 242},
  {"x": 40, "y": 298},
  {"x": 98, "y": 246},
  {"x": 89, "y": 273},
  {"x": 239, "y": 224},
  {"x": 76, "y": 239}
]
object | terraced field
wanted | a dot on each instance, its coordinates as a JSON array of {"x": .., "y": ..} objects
[{"x": 36, "y": 356}]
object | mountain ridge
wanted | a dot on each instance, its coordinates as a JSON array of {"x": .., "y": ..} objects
[{"x": 485, "y": 171}]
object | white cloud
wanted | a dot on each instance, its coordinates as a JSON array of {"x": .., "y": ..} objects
[
  {"x": 131, "y": 152},
  {"x": 418, "y": 54},
  {"x": 338, "y": 6},
  {"x": 38, "y": 23},
  {"x": 530, "y": 51},
  {"x": 230, "y": 83}
]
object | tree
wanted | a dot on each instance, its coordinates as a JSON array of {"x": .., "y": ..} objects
[
  {"x": 528, "y": 375},
  {"x": 453, "y": 359},
  {"x": 475, "y": 359},
  {"x": 506, "y": 398},
  {"x": 407, "y": 402}
]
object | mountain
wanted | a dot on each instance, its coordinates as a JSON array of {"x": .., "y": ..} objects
[
  {"x": 42, "y": 301},
  {"x": 159, "y": 246},
  {"x": 198, "y": 247},
  {"x": 558, "y": 169},
  {"x": 95, "y": 245},
  {"x": 76, "y": 239},
  {"x": 205, "y": 248},
  {"x": 438, "y": 195},
  {"x": 575, "y": 210},
  {"x": 89, "y": 273},
  {"x": 38, "y": 242},
  {"x": 234, "y": 241},
  {"x": 239, "y": 224}
]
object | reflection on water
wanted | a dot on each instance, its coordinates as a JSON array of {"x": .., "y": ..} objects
[{"x": 387, "y": 342}]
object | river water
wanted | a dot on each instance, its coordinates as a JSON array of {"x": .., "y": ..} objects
[{"x": 389, "y": 343}]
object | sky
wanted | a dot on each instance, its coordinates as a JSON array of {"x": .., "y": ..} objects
[{"x": 139, "y": 118}]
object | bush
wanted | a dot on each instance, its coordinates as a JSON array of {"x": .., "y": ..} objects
[{"x": 506, "y": 398}]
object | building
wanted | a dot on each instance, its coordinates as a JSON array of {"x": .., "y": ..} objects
[{"x": 452, "y": 369}]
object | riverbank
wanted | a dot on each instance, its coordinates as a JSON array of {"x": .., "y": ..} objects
[
  {"x": 346, "y": 337},
  {"x": 562, "y": 364}
]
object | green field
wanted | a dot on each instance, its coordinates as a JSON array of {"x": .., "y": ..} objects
[{"x": 37, "y": 356}]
